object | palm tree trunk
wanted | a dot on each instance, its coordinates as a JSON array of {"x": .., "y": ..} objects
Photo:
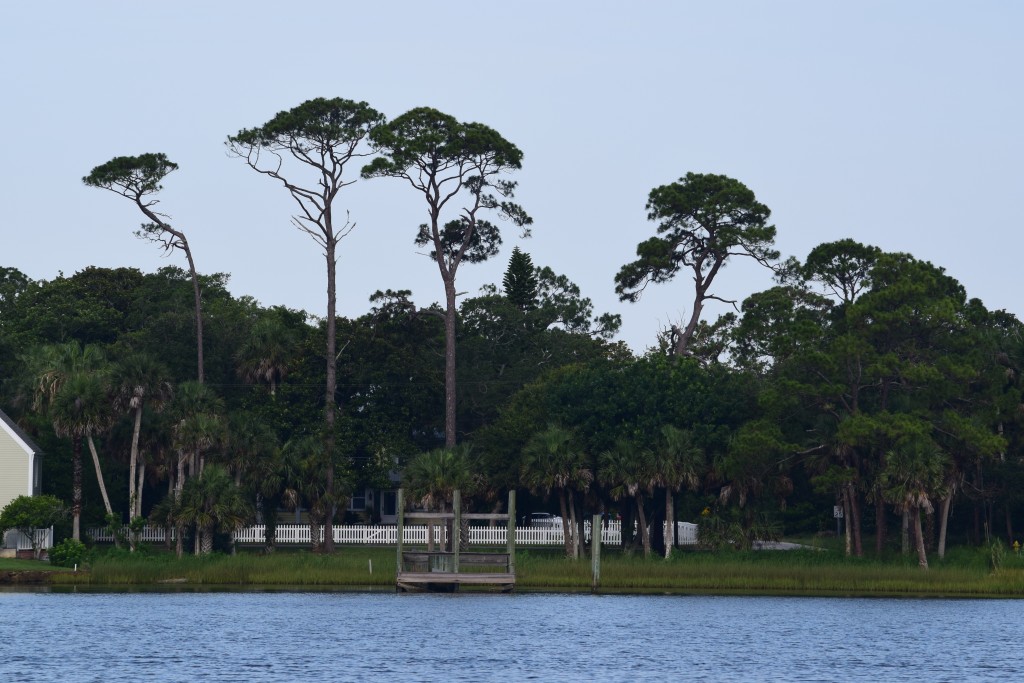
[
  {"x": 670, "y": 522},
  {"x": 645, "y": 535},
  {"x": 133, "y": 460},
  {"x": 905, "y": 532},
  {"x": 566, "y": 529},
  {"x": 944, "y": 523},
  {"x": 207, "y": 542},
  {"x": 922, "y": 556},
  {"x": 137, "y": 511},
  {"x": 99, "y": 475},
  {"x": 573, "y": 526},
  {"x": 76, "y": 488}
]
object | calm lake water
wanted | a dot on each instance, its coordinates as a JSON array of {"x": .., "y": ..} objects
[{"x": 254, "y": 636}]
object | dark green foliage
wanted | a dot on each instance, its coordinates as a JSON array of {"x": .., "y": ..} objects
[
  {"x": 67, "y": 553},
  {"x": 27, "y": 514},
  {"x": 137, "y": 176},
  {"x": 520, "y": 281},
  {"x": 326, "y": 123},
  {"x": 703, "y": 219}
]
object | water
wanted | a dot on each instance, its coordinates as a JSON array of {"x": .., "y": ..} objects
[{"x": 254, "y": 636}]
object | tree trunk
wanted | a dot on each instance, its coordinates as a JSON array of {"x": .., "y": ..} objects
[
  {"x": 944, "y": 524},
  {"x": 99, "y": 475},
  {"x": 670, "y": 522},
  {"x": 76, "y": 488},
  {"x": 566, "y": 528},
  {"x": 847, "y": 522},
  {"x": 330, "y": 392},
  {"x": 314, "y": 533},
  {"x": 269, "y": 507},
  {"x": 137, "y": 511},
  {"x": 207, "y": 543},
  {"x": 627, "y": 523},
  {"x": 450, "y": 403},
  {"x": 198, "y": 306},
  {"x": 645, "y": 535},
  {"x": 858, "y": 547},
  {"x": 922, "y": 557},
  {"x": 683, "y": 340},
  {"x": 881, "y": 523},
  {"x": 905, "y": 532},
  {"x": 572, "y": 525},
  {"x": 133, "y": 460}
]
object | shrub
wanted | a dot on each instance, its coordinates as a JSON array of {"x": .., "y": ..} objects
[{"x": 67, "y": 553}]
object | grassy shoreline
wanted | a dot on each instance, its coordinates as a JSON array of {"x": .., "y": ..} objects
[{"x": 965, "y": 573}]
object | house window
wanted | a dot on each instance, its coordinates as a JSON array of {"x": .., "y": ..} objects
[
  {"x": 358, "y": 502},
  {"x": 37, "y": 475}
]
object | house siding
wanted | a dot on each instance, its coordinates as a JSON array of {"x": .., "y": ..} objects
[
  {"x": 15, "y": 469},
  {"x": 20, "y": 462}
]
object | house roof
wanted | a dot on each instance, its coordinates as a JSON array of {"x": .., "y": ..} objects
[{"x": 19, "y": 434}]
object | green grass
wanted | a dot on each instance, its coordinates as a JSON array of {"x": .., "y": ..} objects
[
  {"x": 349, "y": 567},
  {"x": 965, "y": 572},
  {"x": 11, "y": 564}
]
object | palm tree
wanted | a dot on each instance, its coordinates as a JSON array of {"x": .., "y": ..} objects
[
  {"x": 139, "y": 381},
  {"x": 266, "y": 353},
  {"x": 552, "y": 463},
  {"x": 307, "y": 463},
  {"x": 626, "y": 470},
  {"x": 915, "y": 470},
  {"x": 212, "y": 502},
  {"x": 82, "y": 409},
  {"x": 47, "y": 369},
  {"x": 433, "y": 477},
  {"x": 199, "y": 426},
  {"x": 675, "y": 463},
  {"x": 253, "y": 457}
]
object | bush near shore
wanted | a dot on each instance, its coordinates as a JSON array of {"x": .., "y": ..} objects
[{"x": 966, "y": 572}]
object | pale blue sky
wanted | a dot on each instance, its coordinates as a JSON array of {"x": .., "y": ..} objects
[{"x": 895, "y": 123}]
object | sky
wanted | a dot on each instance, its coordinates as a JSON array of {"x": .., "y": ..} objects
[{"x": 898, "y": 124}]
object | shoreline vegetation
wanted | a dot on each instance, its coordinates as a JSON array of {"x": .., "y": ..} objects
[{"x": 966, "y": 573}]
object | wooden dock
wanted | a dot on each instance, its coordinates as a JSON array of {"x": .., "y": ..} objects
[{"x": 447, "y": 571}]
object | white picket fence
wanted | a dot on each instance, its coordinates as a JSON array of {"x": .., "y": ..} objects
[
  {"x": 18, "y": 540},
  {"x": 611, "y": 534}
]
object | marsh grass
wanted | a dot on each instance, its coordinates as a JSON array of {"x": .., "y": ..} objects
[
  {"x": 965, "y": 572},
  {"x": 802, "y": 572},
  {"x": 350, "y": 567}
]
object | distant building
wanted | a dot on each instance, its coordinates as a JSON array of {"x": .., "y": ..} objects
[{"x": 21, "y": 463}]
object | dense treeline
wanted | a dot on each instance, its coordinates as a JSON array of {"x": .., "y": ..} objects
[{"x": 863, "y": 381}]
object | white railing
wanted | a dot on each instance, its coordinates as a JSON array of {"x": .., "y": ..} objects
[
  {"x": 611, "y": 534},
  {"x": 18, "y": 540}
]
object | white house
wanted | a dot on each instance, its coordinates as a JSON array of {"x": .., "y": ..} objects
[{"x": 21, "y": 464}]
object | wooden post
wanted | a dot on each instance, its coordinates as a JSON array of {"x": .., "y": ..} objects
[
  {"x": 457, "y": 529},
  {"x": 510, "y": 537},
  {"x": 595, "y": 551},
  {"x": 400, "y": 532}
]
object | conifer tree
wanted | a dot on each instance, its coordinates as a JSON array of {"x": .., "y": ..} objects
[{"x": 520, "y": 281}]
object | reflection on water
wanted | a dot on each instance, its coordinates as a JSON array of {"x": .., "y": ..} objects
[{"x": 302, "y": 636}]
